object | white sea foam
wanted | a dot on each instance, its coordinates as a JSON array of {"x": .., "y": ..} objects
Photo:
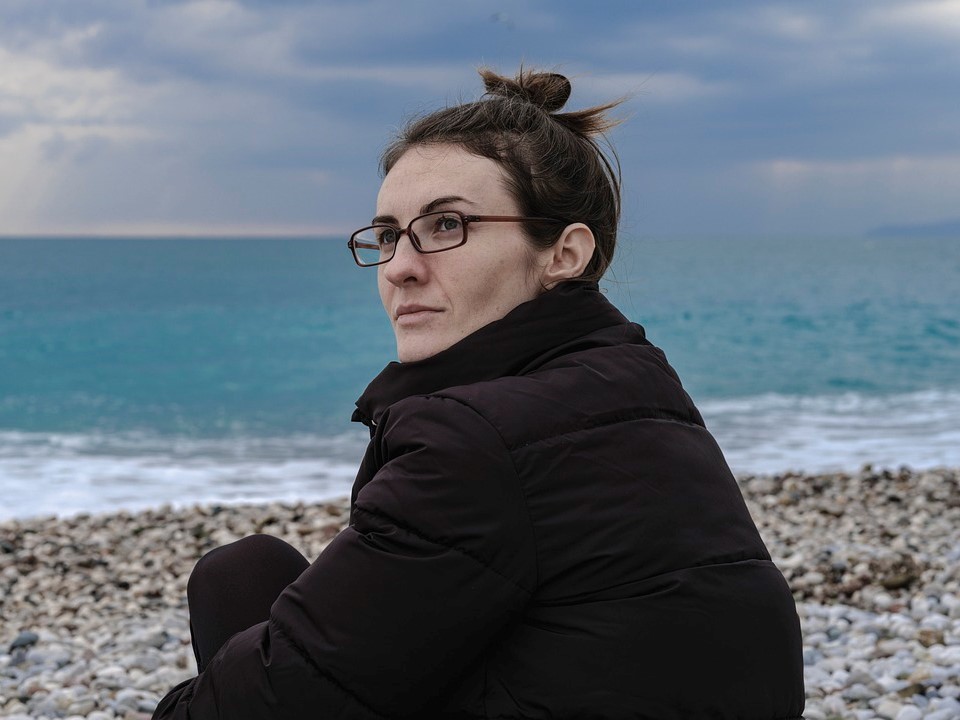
[
  {"x": 44, "y": 473},
  {"x": 60, "y": 474},
  {"x": 773, "y": 433}
]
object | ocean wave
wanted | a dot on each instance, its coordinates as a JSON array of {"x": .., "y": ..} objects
[
  {"x": 62, "y": 474},
  {"x": 772, "y": 433}
]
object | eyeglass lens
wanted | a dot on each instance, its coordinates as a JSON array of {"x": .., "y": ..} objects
[{"x": 433, "y": 232}]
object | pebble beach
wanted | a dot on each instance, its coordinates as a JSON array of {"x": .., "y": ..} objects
[{"x": 94, "y": 619}]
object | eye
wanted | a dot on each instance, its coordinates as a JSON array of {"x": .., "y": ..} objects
[
  {"x": 447, "y": 223},
  {"x": 386, "y": 235}
]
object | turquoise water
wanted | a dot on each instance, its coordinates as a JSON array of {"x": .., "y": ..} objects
[
  {"x": 204, "y": 338},
  {"x": 136, "y": 371}
]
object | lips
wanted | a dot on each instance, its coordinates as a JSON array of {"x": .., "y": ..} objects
[{"x": 413, "y": 314}]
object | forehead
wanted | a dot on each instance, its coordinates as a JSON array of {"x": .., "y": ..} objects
[{"x": 426, "y": 172}]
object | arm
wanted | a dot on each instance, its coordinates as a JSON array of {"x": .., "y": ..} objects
[{"x": 438, "y": 560}]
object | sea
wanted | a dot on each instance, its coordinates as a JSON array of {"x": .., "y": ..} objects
[{"x": 138, "y": 372}]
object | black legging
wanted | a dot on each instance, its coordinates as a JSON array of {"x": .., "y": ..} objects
[{"x": 233, "y": 586}]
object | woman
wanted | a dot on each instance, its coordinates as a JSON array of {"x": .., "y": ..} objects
[{"x": 541, "y": 526}]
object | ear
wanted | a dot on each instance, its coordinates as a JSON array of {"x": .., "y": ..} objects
[{"x": 569, "y": 256}]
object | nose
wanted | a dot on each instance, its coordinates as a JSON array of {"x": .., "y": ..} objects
[{"x": 407, "y": 265}]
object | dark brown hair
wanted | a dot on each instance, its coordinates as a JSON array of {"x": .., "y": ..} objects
[{"x": 554, "y": 162}]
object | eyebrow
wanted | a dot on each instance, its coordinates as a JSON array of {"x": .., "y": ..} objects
[{"x": 424, "y": 209}]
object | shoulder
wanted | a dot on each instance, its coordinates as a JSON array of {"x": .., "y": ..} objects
[{"x": 587, "y": 385}]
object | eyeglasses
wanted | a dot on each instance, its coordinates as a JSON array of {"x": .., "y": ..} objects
[{"x": 430, "y": 233}]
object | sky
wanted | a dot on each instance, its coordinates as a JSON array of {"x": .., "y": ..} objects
[{"x": 246, "y": 117}]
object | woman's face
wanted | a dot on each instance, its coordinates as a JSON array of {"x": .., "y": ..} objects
[{"x": 434, "y": 301}]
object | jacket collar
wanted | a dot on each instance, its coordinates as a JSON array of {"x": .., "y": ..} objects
[{"x": 510, "y": 346}]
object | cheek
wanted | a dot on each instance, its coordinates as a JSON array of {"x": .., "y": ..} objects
[
  {"x": 505, "y": 284},
  {"x": 383, "y": 288}
]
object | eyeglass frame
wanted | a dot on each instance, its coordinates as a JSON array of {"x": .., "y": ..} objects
[{"x": 415, "y": 241}]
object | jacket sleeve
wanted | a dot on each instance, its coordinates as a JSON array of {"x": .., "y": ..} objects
[{"x": 438, "y": 559}]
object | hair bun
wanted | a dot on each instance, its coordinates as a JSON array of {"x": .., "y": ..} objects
[{"x": 548, "y": 91}]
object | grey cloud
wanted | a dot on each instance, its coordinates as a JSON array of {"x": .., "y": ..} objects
[{"x": 274, "y": 112}]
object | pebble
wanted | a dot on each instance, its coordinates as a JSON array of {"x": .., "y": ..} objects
[
  {"x": 889, "y": 709},
  {"x": 23, "y": 640},
  {"x": 95, "y": 616},
  {"x": 909, "y": 713},
  {"x": 95, "y": 620}
]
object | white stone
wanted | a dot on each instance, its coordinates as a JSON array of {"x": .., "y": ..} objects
[
  {"x": 814, "y": 676},
  {"x": 146, "y": 663},
  {"x": 919, "y": 607},
  {"x": 111, "y": 671},
  {"x": 909, "y": 712},
  {"x": 859, "y": 691},
  {"x": 888, "y": 709},
  {"x": 163, "y": 679},
  {"x": 860, "y": 673},
  {"x": 882, "y": 601},
  {"x": 82, "y": 707},
  {"x": 948, "y": 703},
  {"x": 945, "y": 655},
  {"x": 31, "y": 686},
  {"x": 906, "y": 630},
  {"x": 940, "y": 715},
  {"x": 154, "y": 637},
  {"x": 832, "y": 664},
  {"x": 834, "y": 705},
  {"x": 889, "y": 684},
  {"x": 14, "y": 707},
  {"x": 935, "y": 621}
]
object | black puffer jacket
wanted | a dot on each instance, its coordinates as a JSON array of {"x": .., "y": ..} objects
[{"x": 541, "y": 528}]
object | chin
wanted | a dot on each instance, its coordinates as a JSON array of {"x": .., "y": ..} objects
[{"x": 411, "y": 352}]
